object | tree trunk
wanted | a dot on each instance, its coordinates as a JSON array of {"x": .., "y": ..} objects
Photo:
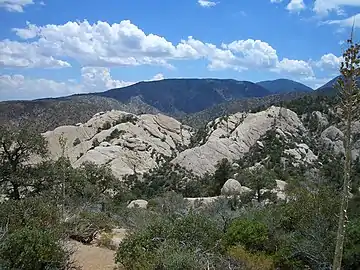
[
  {"x": 344, "y": 200},
  {"x": 16, "y": 193}
]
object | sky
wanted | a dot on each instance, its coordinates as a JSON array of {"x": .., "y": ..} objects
[{"x": 54, "y": 48}]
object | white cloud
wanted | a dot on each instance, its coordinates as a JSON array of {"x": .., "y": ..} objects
[
  {"x": 348, "y": 22},
  {"x": 158, "y": 77},
  {"x": 276, "y": 1},
  {"x": 295, "y": 5},
  {"x": 206, "y": 3},
  {"x": 329, "y": 62},
  {"x": 298, "y": 68},
  {"x": 29, "y": 55},
  {"x": 93, "y": 79},
  {"x": 124, "y": 44},
  {"x": 323, "y": 7},
  {"x": 315, "y": 82},
  {"x": 15, "y": 5}
]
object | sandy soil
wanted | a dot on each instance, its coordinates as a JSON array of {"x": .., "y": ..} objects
[{"x": 93, "y": 257}]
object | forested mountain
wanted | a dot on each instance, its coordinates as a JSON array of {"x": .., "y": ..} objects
[{"x": 284, "y": 86}]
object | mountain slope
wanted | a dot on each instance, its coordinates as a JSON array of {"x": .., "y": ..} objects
[
  {"x": 284, "y": 86},
  {"x": 47, "y": 114},
  {"x": 201, "y": 118},
  {"x": 179, "y": 96}
]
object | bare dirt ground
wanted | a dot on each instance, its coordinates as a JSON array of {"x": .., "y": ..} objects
[{"x": 91, "y": 257}]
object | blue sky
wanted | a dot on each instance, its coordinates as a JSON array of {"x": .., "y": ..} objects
[{"x": 58, "y": 47}]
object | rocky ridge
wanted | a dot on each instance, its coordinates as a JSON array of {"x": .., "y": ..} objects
[
  {"x": 132, "y": 143},
  {"x": 127, "y": 142}
]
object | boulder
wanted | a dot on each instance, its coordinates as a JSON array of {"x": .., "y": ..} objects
[
  {"x": 322, "y": 119},
  {"x": 138, "y": 204},
  {"x": 231, "y": 187},
  {"x": 332, "y": 138}
]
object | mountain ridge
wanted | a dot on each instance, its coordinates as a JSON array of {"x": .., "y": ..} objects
[
  {"x": 185, "y": 97},
  {"x": 280, "y": 86}
]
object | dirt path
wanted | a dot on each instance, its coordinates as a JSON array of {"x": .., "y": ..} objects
[{"x": 93, "y": 257}]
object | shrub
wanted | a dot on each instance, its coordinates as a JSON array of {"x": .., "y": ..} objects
[
  {"x": 33, "y": 248},
  {"x": 251, "y": 261},
  {"x": 106, "y": 125},
  {"x": 95, "y": 143},
  {"x": 114, "y": 134},
  {"x": 144, "y": 249},
  {"x": 31, "y": 212},
  {"x": 76, "y": 142},
  {"x": 251, "y": 234}
]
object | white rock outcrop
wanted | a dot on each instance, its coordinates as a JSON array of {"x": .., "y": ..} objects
[
  {"x": 302, "y": 153},
  {"x": 232, "y": 138},
  {"x": 233, "y": 187},
  {"x": 138, "y": 204},
  {"x": 125, "y": 141},
  {"x": 332, "y": 138}
]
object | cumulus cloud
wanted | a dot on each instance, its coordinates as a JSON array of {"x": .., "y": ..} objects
[
  {"x": 295, "y": 5},
  {"x": 299, "y": 68},
  {"x": 329, "y": 62},
  {"x": 125, "y": 44},
  {"x": 93, "y": 79},
  {"x": 323, "y": 7},
  {"x": 15, "y": 5},
  {"x": 27, "y": 55},
  {"x": 206, "y": 3}
]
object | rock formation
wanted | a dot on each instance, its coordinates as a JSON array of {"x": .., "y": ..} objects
[
  {"x": 231, "y": 138},
  {"x": 128, "y": 143}
]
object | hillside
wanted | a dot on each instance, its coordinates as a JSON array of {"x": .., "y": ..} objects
[
  {"x": 47, "y": 114},
  {"x": 242, "y": 167},
  {"x": 284, "y": 86},
  {"x": 182, "y": 96},
  {"x": 199, "y": 119}
]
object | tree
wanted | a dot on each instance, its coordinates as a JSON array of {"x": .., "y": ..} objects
[
  {"x": 16, "y": 150},
  {"x": 223, "y": 173},
  {"x": 257, "y": 179},
  {"x": 349, "y": 107},
  {"x": 34, "y": 235}
]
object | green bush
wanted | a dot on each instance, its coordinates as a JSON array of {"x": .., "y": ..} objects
[
  {"x": 76, "y": 142},
  {"x": 351, "y": 258},
  {"x": 142, "y": 249},
  {"x": 31, "y": 212},
  {"x": 251, "y": 234},
  {"x": 33, "y": 248},
  {"x": 251, "y": 261}
]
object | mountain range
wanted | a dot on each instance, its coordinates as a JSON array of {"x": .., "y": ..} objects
[{"x": 179, "y": 98}]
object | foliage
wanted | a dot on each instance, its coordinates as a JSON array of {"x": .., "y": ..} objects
[
  {"x": 76, "y": 142},
  {"x": 222, "y": 173},
  {"x": 257, "y": 179},
  {"x": 34, "y": 237},
  {"x": 349, "y": 93},
  {"x": 16, "y": 148},
  {"x": 186, "y": 234},
  {"x": 95, "y": 143},
  {"x": 252, "y": 261},
  {"x": 114, "y": 134},
  {"x": 351, "y": 258},
  {"x": 249, "y": 233},
  {"x": 33, "y": 248},
  {"x": 165, "y": 178}
]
